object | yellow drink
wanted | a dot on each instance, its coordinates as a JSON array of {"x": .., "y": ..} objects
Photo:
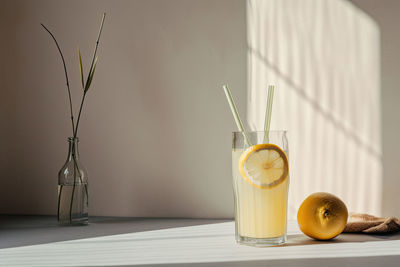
[{"x": 260, "y": 213}]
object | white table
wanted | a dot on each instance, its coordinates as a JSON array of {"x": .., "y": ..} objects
[{"x": 38, "y": 241}]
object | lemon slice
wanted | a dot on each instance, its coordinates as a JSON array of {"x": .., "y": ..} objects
[{"x": 264, "y": 165}]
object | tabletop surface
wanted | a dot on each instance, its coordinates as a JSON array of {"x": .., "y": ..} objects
[{"x": 111, "y": 241}]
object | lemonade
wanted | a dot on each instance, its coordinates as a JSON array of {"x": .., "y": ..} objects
[{"x": 260, "y": 213}]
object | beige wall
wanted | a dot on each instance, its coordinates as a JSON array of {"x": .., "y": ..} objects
[
  {"x": 155, "y": 135},
  {"x": 386, "y": 14},
  {"x": 8, "y": 76},
  {"x": 331, "y": 112},
  {"x": 156, "y": 130}
]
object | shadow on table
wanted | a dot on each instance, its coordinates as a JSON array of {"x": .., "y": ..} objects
[
  {"x": 301, "y": 240},
  {"x": 24, "y": 230},
  {"x": 326, "y": 262}
]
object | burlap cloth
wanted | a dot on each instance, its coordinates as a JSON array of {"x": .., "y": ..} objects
[{"x": 364, "y": 223}]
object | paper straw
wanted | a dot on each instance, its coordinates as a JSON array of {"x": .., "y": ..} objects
[
  {"x": 235, "y": 114},
  {"x": 268, "y": 113}
]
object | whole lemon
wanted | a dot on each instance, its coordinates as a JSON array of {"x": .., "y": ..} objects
[{"x": 322, "y": 216}]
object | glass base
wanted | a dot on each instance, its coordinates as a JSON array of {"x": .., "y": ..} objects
[
  {"x": 261, "y": 242},
  {"x": 75, "y": 221}
]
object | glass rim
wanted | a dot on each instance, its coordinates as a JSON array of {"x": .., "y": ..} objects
[{"x": 271, "y": 131}]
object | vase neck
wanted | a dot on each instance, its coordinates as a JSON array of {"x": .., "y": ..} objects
[{"x": 73, "y": 148}]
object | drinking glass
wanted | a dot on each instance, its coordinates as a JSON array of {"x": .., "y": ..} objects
[{"x": 260, "y": 208}]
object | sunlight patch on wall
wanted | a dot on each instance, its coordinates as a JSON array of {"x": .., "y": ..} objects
[{"x": 323, "y": 57}]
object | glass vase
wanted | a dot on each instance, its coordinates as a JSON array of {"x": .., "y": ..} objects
[{"x": 73, "y": 188}]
